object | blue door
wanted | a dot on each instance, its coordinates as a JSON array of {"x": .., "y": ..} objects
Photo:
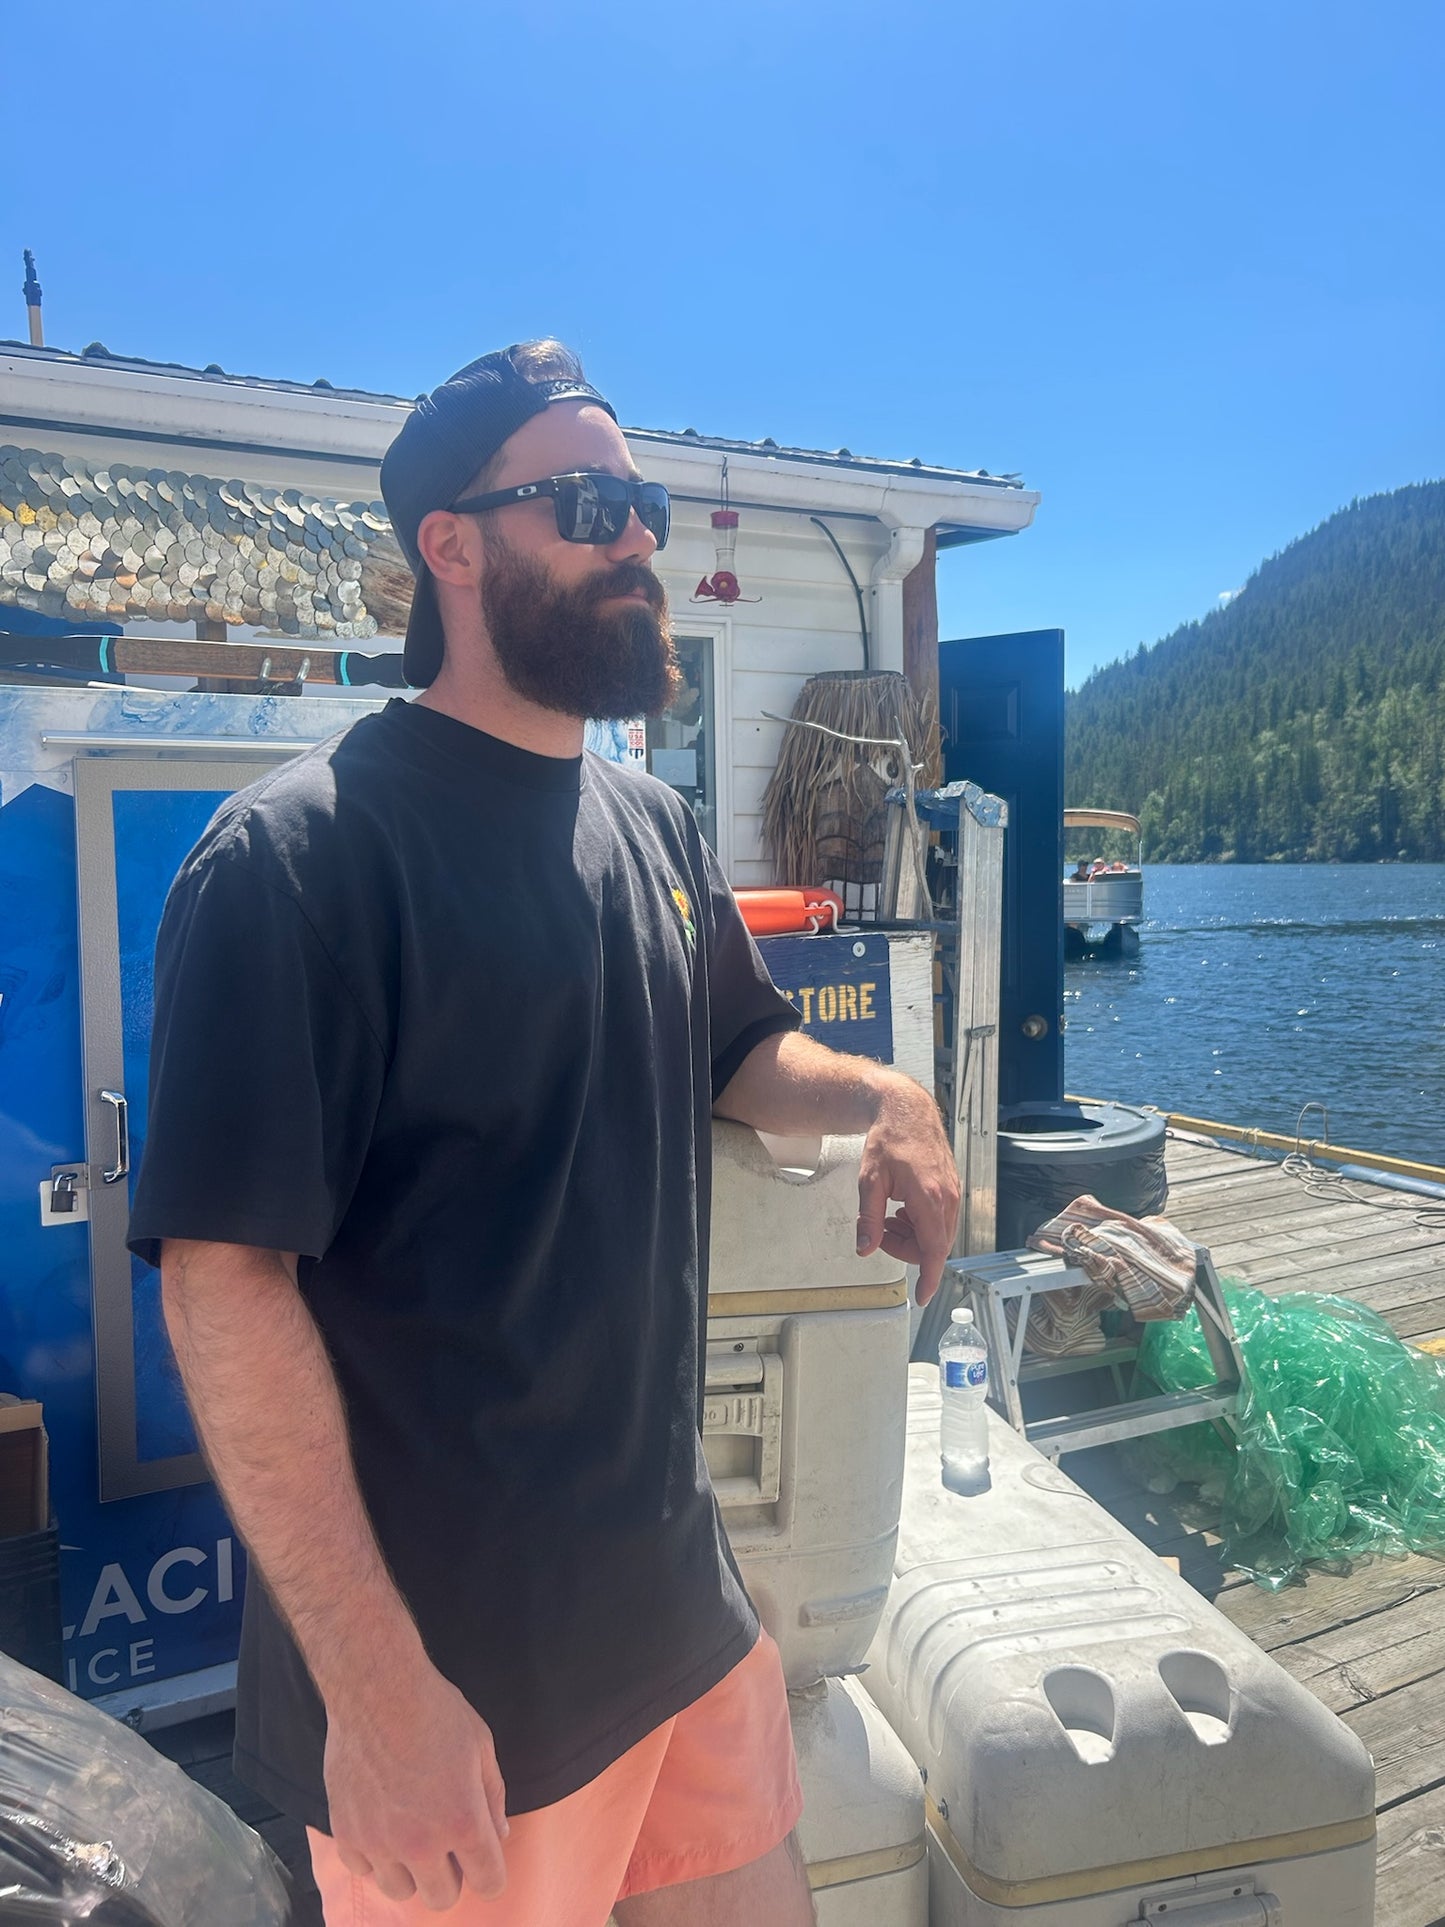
[
  {"x": 136, "y": 819},
  {"x": 151, "y": 1571},
  {"x": 1001, "y": 704}
]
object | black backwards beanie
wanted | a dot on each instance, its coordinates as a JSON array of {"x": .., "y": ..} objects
[{"x": 447, "y": 437}]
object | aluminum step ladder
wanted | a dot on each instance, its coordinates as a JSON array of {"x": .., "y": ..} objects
[{"x": 1001, "y": 1287}]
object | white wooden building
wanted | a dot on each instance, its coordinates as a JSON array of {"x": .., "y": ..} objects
[{"x": 746, "y": 660}]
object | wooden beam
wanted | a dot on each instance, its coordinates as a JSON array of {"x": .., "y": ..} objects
[
  {"x": 233, "y": 668},
  {"x": 981, "y": 824},
  {"x": 209, "y": 630},
  {"x": 266, "y": 665}
]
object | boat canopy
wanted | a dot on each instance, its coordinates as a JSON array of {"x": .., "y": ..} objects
[{"x": 1100, "y": 820}]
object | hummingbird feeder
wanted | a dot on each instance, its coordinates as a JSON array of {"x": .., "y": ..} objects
[{"x": 723, "y": 585}]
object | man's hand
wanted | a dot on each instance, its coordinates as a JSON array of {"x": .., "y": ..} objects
[
  {"x": 417, "y": 1802},
  {"x": 907, "y": 1158}
]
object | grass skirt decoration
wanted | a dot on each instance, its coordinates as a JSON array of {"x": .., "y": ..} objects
[
  {"x": 823, "y": 811},
  {"x": 1341, "y": 1450}
]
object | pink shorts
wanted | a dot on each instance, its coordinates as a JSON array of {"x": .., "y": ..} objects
[{"x": 704, "y": 1793}]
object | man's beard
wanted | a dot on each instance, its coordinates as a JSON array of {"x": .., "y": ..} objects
[{"x": 560, "y": 649}]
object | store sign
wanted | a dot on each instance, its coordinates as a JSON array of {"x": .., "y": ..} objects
[{"x": 839, "y": 985}]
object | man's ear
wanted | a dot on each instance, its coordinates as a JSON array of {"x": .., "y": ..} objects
[{"x": 451, "y": 547}]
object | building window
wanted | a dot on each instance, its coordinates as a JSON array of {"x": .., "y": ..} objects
[{"x": 680, "y": 747}]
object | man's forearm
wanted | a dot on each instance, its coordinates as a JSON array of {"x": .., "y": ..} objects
[
  {"x": 793, "y": 1086},
  {"x": 271, "y": 1423}
]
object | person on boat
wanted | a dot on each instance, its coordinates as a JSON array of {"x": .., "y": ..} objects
[
  {"x": 1081, "y": 871},
  {"x": 443, "y": 1009}
]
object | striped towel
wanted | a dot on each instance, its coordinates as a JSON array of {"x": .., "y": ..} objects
[
  {"x": 1065, "y": 1323},
  {"x": 1143, "y": 1264}
]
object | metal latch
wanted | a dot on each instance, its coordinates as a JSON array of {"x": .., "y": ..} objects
[
  {"x": 743, "y": 1399},
  {"x": 1214, "y": 1903},
  {"x": 65, "y": 1195}
]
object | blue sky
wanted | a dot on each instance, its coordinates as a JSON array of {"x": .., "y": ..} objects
[{"x": 1178, "y": 263}]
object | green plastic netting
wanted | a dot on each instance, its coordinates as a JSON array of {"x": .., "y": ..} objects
[{"x": 1341, "y": 1435}]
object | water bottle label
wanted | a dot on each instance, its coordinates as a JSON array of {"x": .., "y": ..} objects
[{"x": 957, "y": 1372}]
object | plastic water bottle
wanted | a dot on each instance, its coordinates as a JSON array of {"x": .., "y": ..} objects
[{"x": 963, "y": 1379}]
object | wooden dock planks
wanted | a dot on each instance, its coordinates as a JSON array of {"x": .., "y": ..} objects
[{"x": 1265, "y": 1227}]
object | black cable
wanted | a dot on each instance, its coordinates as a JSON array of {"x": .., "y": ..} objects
[{"x": 862, "y": 610}]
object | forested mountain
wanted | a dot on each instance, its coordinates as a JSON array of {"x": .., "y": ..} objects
[{"x": 1304, "y": 721}]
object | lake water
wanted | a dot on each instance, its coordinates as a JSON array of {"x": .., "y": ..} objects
[{"x": 1260, "y": 987}]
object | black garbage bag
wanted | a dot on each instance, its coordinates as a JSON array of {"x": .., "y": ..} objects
[{"x": 98, "y": 1828}]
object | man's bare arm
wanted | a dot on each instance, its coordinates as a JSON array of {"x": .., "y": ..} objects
[
  {"x": 416, "y": 1799},
  {"x": 795, "y": 1086}
]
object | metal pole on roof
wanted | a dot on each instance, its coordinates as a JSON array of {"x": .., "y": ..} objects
[{"x": 32, "y": 302}]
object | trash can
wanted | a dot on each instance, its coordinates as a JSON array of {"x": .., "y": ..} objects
[
  {"x": 1048, "y": 1154},
  {"x": 30, "y": 1600}
]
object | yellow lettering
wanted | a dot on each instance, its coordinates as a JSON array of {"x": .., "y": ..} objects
[
  {"x": 865, "y": 1000},
  {"x": 827, "y": 1004},
  {"x": 848, "y": 1001},
  {"x": 806, "y": 993}
]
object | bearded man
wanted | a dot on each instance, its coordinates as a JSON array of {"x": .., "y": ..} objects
[{"x": 443, "y": 1009}]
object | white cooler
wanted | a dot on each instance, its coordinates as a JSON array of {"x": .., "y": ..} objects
[
  {"x": 1101, "y": 1746},
  {"x": 862, "y": 1830},
  {"x": 804, "y": 1408}
]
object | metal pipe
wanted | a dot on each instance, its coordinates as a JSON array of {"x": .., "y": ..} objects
[
  {"x": 818, "y": 522},
  {"x": 1273, "y": 1141},
  {"x": 32, "y": 293}
]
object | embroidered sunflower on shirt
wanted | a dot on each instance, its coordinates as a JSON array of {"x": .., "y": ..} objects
[{"x": 684, "y": 910}]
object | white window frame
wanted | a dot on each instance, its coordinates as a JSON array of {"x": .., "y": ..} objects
[{"x": 718, "y": 630}]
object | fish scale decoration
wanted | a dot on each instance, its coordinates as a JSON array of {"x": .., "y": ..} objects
[{"x": 81, "y": 540}]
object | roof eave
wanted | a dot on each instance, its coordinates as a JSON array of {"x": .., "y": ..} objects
[{"x": 185, "y": 408}]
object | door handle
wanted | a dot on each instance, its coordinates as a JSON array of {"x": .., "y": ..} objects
[{"x": 113, "y": 1173}]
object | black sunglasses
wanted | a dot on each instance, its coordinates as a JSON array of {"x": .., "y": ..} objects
[{"x": 589, "y": 508}]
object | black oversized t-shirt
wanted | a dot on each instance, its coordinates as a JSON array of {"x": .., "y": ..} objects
[{"x": 447, "y": 1018}]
